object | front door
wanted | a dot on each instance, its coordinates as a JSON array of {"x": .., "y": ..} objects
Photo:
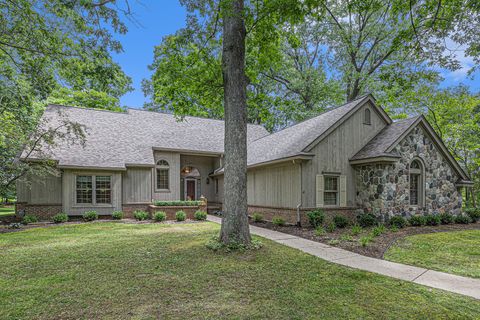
[{"x": 191, "y": 184}]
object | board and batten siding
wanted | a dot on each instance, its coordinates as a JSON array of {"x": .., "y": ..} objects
[
  {"x": 332, "y": 154},
  {"x": 137, "y": 186},
  {"x": 69, "y": 193},
  {"x": 275, "y": 186},
  {"x": 173, "y": 193},
  {"x": 40, "y": 189}
]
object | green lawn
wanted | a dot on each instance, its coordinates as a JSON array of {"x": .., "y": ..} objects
[
  {"x": 455, "y": 252},
  {"x": 7, "y": 211},
  {"x": 150, "y": 271}
]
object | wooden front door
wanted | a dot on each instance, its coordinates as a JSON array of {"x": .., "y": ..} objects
[{"x": 191, "y": 184}]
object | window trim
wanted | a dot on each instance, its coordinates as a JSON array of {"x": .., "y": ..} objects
[
  {"x": 337, "y": 192},
  {"x": 165, "y": 166},
  {"x": 367, "y": 120},
  {"x": 94, "y": 203}
]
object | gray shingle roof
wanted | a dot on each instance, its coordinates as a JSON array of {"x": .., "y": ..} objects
[
  {"x": 115, "y": 139},
  {"x": 378, "y": 146},
  {"x": 293, "y": 140}
]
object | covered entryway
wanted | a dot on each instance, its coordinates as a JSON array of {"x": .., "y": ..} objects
[{"x": 191, "y": 177}]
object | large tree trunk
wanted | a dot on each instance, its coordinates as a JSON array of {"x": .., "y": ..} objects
[{"x": 235, "y": 228}]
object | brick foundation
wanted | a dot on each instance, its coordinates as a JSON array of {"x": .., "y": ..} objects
[
  {"x": 290, "y": 214},
  {"x": 128, "y": 209},
  {"x": 41, "y": 211}
]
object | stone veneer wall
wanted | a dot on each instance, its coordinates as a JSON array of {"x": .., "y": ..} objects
[{"x": 383, "y": 189}]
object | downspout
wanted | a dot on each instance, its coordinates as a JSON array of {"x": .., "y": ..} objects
[{"x": 299, "y": 223}]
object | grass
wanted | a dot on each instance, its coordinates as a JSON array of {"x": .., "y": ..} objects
[
  {"x": 150, "y": 271},
  {"x": 456, "y": 252},
  {"x": 7, "y": 210}
]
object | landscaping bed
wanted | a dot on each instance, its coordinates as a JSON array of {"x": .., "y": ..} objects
[{"x": 343, "y": 238}]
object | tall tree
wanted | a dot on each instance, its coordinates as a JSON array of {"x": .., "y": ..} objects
[
  {"x": 59, "y": 52},
  {"x": 235, "y": 227}
]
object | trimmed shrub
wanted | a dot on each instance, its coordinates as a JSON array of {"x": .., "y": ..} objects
[
  {"x": 316, "y": 217},
  {"x": 278, "y": 221},
  {"x": 473, "y": 213},
  {"x": 340, "y": 221},
  {"x": 180, "y": 215},
  {"x": 60, "y": 218},
  {"x": 366, "y": 220},
  {"x": 29, "y": 218},
  {"x": 159, "y": 216},
  {"x": 200, "y": 215},
  {"x": 447, "y": 218},
  {"x": 257, "y": 217},
  {"x": 117, "y": 215},
  {"x": 398, "y": 222},
  {"x": 177, "y": 203},
  {"x": 90, "y": 215},
  {"x": 463, "y": 219},
  {"x": 417, "y": 221},
  {"x": 433, "y": 220},
  {"x": 140, "y": 215}
]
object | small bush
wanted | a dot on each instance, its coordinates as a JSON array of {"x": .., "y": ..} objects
[
  {"x": 364, "y": 241},
  {"x": 394, "y": 229},
  {"x": 90, "y": 215},
  {"x": 320, "y": 231},
  {"x": 447, "y": 218},
  {"x": 60, "y": 218},
  {"x": 316, "y": 217},
  {"x": 278, "y": 221},
  {"x": 333, "y": 242},
  {"x": 433, "y": 220},
  {"x": 417, "y": 221},
  {"x": 340, "y": 221},
  {"x": 356, "y": 230},
  {"x": 140, "y": 215},
  {"x": 180, "y": 215},
  {"x": 331, "y": 227},
  {"x": 159, "y": 216},
  {"x": 117, "y": 215},
  {"x": 473, "y": 213},
  {"x": 367, "y": 220},
  {"x": 398, "y": 222},
  {"x": 346, "y": 237},
  {"x": 29, "y": 218},
  {"x": 200, "y": 215},
  {"x": 463, "y": 219},
  {"x": 378, "y": 230},
  {"x": 257, "y": 217}
]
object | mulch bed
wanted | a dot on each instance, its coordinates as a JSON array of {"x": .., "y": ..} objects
[{"x": 376, "y": 248}]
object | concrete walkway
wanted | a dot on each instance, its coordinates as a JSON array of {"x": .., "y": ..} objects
[{"x": 440, "y": 280}]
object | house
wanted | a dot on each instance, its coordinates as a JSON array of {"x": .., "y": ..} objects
[{"x": 351, "y": 158}]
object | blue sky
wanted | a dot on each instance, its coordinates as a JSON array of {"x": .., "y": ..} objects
[{"x": 162, "y": 17}]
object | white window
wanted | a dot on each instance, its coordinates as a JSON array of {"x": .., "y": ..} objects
[
  {"x": 93, "y": 189},
  {"x": 163, "y": 170},
  {"x": 330, "y": 194}
]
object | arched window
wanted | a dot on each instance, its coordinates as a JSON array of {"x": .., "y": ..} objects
[
  {"x": 162, "y": 175},
  {"x": 367, "y": 117},
  {"x": 416, "y": 183}
]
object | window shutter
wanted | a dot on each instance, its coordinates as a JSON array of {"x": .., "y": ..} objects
[
  {"x": 319, "y": 190},
  {"x": 343, "y": 191}
]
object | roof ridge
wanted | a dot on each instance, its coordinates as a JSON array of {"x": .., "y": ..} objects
[
  {"x": 56, "y": 105},
  {"x": 187, "y": 116}
]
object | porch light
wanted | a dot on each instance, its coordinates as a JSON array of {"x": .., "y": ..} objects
[{"x": 187, "y": 169}]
